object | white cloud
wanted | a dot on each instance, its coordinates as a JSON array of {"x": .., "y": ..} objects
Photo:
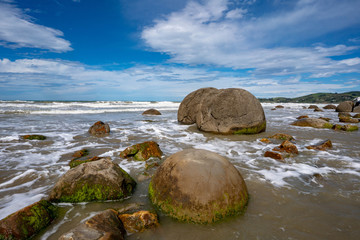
[
  {"x": 17, "y": 30},
  {"x": 204, "y": 34}
]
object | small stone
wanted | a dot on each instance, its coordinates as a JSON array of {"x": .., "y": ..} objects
[
  {"x": 139, "y": 221},
  {"x": 34, "y": 137},
  {"x": 142, "y": 151},
  {"x": 288, "y": 147},
  {"x": 279, "y": 106},
  {"x": 313, "y": 107},
  {"x": 282, "y": 136},
  {"x": 265, "y": 140},
  {"x": 99, "y": 129},
  {"x": 322, "y": 146},
  {"x": 274, "y": 155},
  {"x": 348, "y": 119},
  {"x": 317, "y": 110},
  {"x": 330, "y": 106},
  {"x": 80, "y": 153}
]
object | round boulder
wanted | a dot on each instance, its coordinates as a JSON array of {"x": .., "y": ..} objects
[
  {"x": 312, "y": 122},
  {"x": 198, "y": 186},
  {"x": 99, "y": 128},
  {"x": 346, "y": 106},
  {"x": 151, "y": 112},
  {"x": 330, "y": 106}
]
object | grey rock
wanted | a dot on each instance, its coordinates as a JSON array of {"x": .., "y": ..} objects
[{"x": 346, "y": 106}]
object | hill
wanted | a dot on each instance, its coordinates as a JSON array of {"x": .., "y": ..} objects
[{"x": 316, "y": 98}]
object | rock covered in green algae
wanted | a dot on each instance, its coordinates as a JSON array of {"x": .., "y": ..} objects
[
  {"x": 142, "y": 151},
  {"x": 28, "y": 221},
  {"x": 139, "y": 221},
  {"x": 93, "y": 181},
  {"x": 33, "y": 137},
  {"x": 312, "y": 122},
  {"x": 76, "y": 162},
  {"x": 198, "y": 186}
]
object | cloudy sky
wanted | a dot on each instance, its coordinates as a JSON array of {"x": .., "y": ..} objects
[{"x": 164, "y": 49}]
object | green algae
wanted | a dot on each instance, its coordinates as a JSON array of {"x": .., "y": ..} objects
[
  {"x": 328, "y": 125},
  {"x": 33, "y": 137},
  {"x": 250, "y": 130}
]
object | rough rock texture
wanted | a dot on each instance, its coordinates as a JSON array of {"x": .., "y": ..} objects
[
  {"x": 274, "y": 155},
  {"x": 198, "y": 186},
  {"x": 346, "y": 106},
  {"x": 287, "y": 146},
  {"x": 282, "y": 136},
  {"x": 80, "y": 153},
  {"x": 330, "y": 106},
  {"x": 139, "y": 221},
  {"x": 28, "y": 221},
  {"x": 347, "y": 128},
  {"x": 76, "y": 162},
  {"x": 33, "y": 137},
  {"x": 93, "y": 181},
  {"x": 99, "y": 129},
  {"x": 322, "y": 146},
  {"x": 348, "y": 119},
  {"x": 225, "y": 111},
  {"x": 344, "y": 114},
  {"x": 151, "y": 112},
  {"x": 103, "y": 226},
  {"x": 312, "y": 122},
  {"x": 142, "y": 151},
  {"x": 356, "y": 109}
]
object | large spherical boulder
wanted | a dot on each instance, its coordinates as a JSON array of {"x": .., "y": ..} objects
[
  {"x": 225, "y": 111},
  {"x": 198, "y": 186},
  {"x": 346, "y": 106}
]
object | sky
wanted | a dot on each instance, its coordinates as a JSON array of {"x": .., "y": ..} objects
[{"x": 163, "y": 50}]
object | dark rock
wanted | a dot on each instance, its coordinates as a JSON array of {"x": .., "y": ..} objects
[
  {"x": 344, "y": 114},
  {"x": 347, "y": 128},
  {"x": 142, "y": 151},
  {"x": 279, "y": 106},
  {"x": 99, "y": 129},
  {"x": 93, "y": 181},
  {"x": 103, "y": 226},
  {"x": 274, "y": 155},
  {"x": 317, "y": 110},
  {"x": 302, "y": 116},
  {"x": 76, "y": 162},
  {"x": 322, "y": 146},
  {"x": 282, "y": 136},
  {"x": 330, "y": 106},
  {"x": 198, "y": 186},
  {"x": 151, "y": 112},
  {"x": 313, "y": 107},
  {"x": 139, "y": 221},
  {"x": 287, "y": 146},
  {"x": 80, "y": 153},
  {"x": 28, "y": 221},
  {"x": 33, "y": 137},
  {"x": 312, "y": 122},
  {"x": 348, "y": 119},
  {"x": 346, "y": 106}
]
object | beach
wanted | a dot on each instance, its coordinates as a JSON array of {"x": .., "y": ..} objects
[{"x": 312, "y": 195}]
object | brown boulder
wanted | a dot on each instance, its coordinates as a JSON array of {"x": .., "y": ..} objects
[
  {"x": 330, "y": 106},
  {"x": 139, "y": 221},
  {"x": 344, "y": 114},
  {"x": 313, "y": 107},
  {"x": 356, "y": 109},
  {"x": 279, "y": 106},
  {"x": 302, "y": 116},
  {"x": 312, "y": 122},
  {"x": 274, "y": 155},
  {"x": 142, "y": 151},
  {"x": 346, "y": 106},
  {"x": 322, "y": 146},
  {"x": 347, "y": 128},
  {"x": 265, "y": 140},
  {"x": 151, "y": 112},
  {"x": 348, "y": 119},
  {"x": 198, "y": 186},
  {"x": 287, "y": 146},
  {"x": 317, "y": 110},
  {"x": 99, "y": 129}
]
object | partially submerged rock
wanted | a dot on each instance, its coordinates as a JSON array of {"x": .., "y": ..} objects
[
  {"x": 347, "y": 128},
  {"x": 139, "y": 221},
  {"x": 282, "y": 136},
  {"x": 142, "y": 151},
  {"x": 151, "y": 111},
  {"x": 76, "y": 162},
  {"x": 330, "y": 106},
  {"x": 28, "y": 221},
  {"x": 80, "y": 153},
  {"x": 302, "y": 116},
  {"x": 348, "y": 119},
  {"x": 326, "y": 119},
  {"x": 318, "y": 110},
  {"x": 279, "y": 106},
  {"x": 198, "y": 186},
  {"x": 313, "y": 107},
  {"x": 274, "y": 155},
  {"x": 33, "y": 137},
  {"x": 99, "y": 129},
  {"x": 346, "y": 106},
  {"x": 322, "y": 146},
  {"x": 356, "y": 115},
  {"x": 356, "y": 109},
  {"x": 312, "y": 122},
  {"x": 287, "y": 146},
  {"x": 93, "y": 181},
  {"x": 265, "y": 140},
  {"x": 103, "y": 226}
]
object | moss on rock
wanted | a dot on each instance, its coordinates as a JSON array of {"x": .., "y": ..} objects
[{"x": 33, "y": 137}]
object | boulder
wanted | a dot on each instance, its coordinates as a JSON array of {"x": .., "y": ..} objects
[
  {"x": 99, "y": 129},
  {"x": 198, "y": 186},
  {"x": 344, "y": 114},
  {"x": 287, "y": 146},
  {"x": 356, "y": 115},
  {"x": 274, "y": 155},
  {"x": 142, "y": 151},
  {"x": 302, "y": 116},
  {"x": 318, "y": 110},
  {"x": 356, "y": 109},
  {"x": 322, "y": 146},
  {"x": 279, "y": 106},
  {"x": 103, "y": 226},
  {"x": 348, "y": 119},
  {"x": 93, "y": 181},
  {"x": 330, "y": 106},
  {"x": 312, "y": 122},
  {"x": 313, "y": 107},
  {"x": 347, "y": 128},
  {"x": 151, "y": 112},
  {"x": 139, "y": 221},
  {"x": 282, "y": 136},
  {"x": 33, "y": 137},
  {"x": 28, "y": 221},
  {"x": 225, "y": 111},
  {"x": 346, "y": 106}
]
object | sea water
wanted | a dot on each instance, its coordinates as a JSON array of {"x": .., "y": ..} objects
[{"x": 287, "y": 200}]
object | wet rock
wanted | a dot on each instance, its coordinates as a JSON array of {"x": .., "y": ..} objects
[
  {"x": 313, "y": 107},
  {"x": 28, "y": 221},
  {"x": 198, "y": 186},
  {"x": 330, "y": 106},
  {"x": 317, "y": 176},
  {"x": 347, "y": 128},
  {"x": 346, "y": 106},
  {"x": 142, "y": 151},
  {"x": 322, "y": 146},
  {"x": 93, "y": 181},
  {"x": 225, "y": 111},
  {"x": 279, "y": 106},
  {"x": 302, "y": 116},
  {"x": 282, "y": 136},
  {"x": 274, "y": 155},
  {"x": 76, "y": 162},
  {"x": 151, "y": 112},
  {"x": 99, "y": 129},
  {"x": 348, "y": 119},
  {"x": 287, "y": 146},
  {"x": 344, "y": 114},
  {"x": 312, "y": 122},
  {"x": 356, "y": 115},
  {"x": 80, "y": 153},
  {"x": 129, "y": 207},
  {"x": 318, "y": 110},
  {"x": 324, "y": 118},
  {"x": 33, "y": 137},
  {"x": 139, "y": 221},
  {"x": 103, "y": 226},
  {"x": 356, "y": 109},
  {"x": 265, "y": 140}
]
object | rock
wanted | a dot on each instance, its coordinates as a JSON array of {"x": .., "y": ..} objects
[
  {"x": 302, "y": 116},
  {"x": 80, "y": 153},
  {"x": 348, "y": 119},
  {"x": 142, "y": 151},
  {"x": 274, "y": 155},
  {"x": 151, "y": 112},
  {"x": 287, "y": 146},
  {"x": 344, "y": 114},
  {"x": 273, "y": 109},
  {"x": 198, "y": 186},
  {"x": 265, "y": 140},
  {"x": 279, "y": 106},
  {"x": 74, "y": 163},
  {"x": 282, "y": 136},
  {"x": 317, "y": 110},
  {"x": 313, "y": 107},
  {"x": 312, "y": 122},
  {"x": 356, "y": 115},
  {"x": 330, "y": 106},
  {"x": 129, "y": 207},
  {"x": 225, "y": 111},
  {"x": 93, "y": 181},
  {"x": 33, "y": 137},
  {"x": 103, "y": 226},
  {"x": 324, "y": 118},
  {"x": 346, "y": 106},
  {"x": 28, "y": 221},
  {"x": 99, "y": 129},
  {"x": 139, "y": 221},
  {"x": 348, "y": 127},
  {"x": 356, "y": 109},
  {"x": 322, "y": 146}
]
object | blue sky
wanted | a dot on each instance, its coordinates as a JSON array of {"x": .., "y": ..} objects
[{"x": 164, "y": 49}]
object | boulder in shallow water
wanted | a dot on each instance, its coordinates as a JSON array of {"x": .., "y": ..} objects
[
  {"x": 282, "y": 136},
  {"x": 356, "y": 115},
  {"x": 198, "y": 186},
  {"x": 93, "y": 181},
  {"x": 347, "y": 128},
  {"x": 103, "y": 226},
  {"x": 302, "y": 116},
  {"x": 274, "y": 155},
  {"x": 346, "y": 106},
  {"x": 99, "y": 129},
  {"x": 348, "y": 119},
  {"x": 356, "y": 109},
  {"x": 142, "y": 151},
  {"x": 313, "y": 107},
  {"x": 279, "y": 106},
  {"x": 151, "y": 111},
  {"x": 312, "y": 122},
  {"x": 287, "y": 146},
  {"x": 33, "y": 137},
  {"x": 76, "y": 162},
  {"x": 139, "y": 221},
  {"x": 330, "y": 106},
  {"x": 28, "y": 221},
  {"x": 322, "y": 146}
]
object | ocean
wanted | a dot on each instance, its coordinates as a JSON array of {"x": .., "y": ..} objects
[{"x": 314, "y": 195}]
